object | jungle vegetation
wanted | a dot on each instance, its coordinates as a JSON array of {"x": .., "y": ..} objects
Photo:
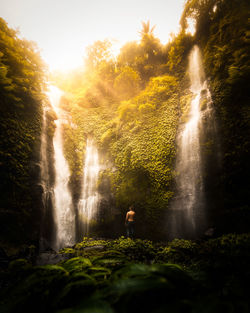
[{"x": 132, "y": 106}]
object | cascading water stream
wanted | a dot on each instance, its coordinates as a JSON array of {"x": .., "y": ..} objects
[
  {"x": 188, "y": 217},
  {"x": 43, "y": 155},
  {"x": 47, "y": 224},
  {"x": 189, "y": 162},
  {"x": 64, "y": 216},
  {"x": 88, "y": 203}
]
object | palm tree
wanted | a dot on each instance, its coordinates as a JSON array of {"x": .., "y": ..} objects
[{"x": 146, "y": 30}]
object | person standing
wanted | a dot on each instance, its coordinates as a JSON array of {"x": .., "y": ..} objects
[{"x": 130, "y": 222}]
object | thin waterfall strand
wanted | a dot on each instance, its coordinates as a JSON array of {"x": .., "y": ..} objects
[
  {"x": 88, "y": 203},
  {"x": 46, "y": 237},
  {"x": 43, "y": 155}
]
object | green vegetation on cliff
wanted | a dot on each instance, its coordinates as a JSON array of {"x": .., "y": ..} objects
[
  {"x": 223, "y": 34},
  {"x": 131, "y": 107},
  {"x": 21, "y": 87}
]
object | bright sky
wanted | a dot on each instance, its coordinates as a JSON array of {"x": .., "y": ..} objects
[{"x": 63, "y": 28}]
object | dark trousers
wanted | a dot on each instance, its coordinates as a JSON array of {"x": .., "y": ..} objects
[{"x": 130, "y": 229}]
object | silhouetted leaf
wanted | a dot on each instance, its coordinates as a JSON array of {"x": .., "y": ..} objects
[
  {"x": 75, "y": 292},
  {"x": 92, "y": 306}
]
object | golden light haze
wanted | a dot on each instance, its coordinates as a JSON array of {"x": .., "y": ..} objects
[{"x": 64, "y": 28}]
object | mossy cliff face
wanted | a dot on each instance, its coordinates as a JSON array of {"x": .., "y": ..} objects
[
  {"x": 19, "y": 171},
  {"x": 144, "y": 151},
  {"x": 136, "y": 142},
  {"x": 225, "y": 45},
  {"x": 21, "y": 84}
]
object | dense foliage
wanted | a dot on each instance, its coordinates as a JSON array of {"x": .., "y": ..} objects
[
  {"x": 130, "y": 275},
  {"x": 21, "y": 87}
]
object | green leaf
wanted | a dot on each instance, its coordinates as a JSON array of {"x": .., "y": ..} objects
[{"x": 77, "y": 264}]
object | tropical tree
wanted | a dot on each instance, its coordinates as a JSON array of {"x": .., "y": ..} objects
[
  {"x": 146, "y": 29},
  {"x": 127, "y": 83},
  {"x": 98, "y": 53},
  {"x": 129, "y": 54},
  {"x": 151, "y": 52}
]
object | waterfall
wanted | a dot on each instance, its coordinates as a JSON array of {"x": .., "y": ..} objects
[
  {"x": 64, "y": 216},
  {"x": 88, "y": 204},
  {"x": 43, "y": 154},
  {"x": 188, "y": 216},
  {"x": 47, "y": 222}
]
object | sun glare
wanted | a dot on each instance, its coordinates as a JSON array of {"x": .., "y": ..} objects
[
  {"x": 63, "y": 29},
  {"x": 64, "y": 61},
  {"x": 71, "y": 59}
]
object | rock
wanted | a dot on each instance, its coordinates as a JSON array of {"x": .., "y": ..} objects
[
  {"x": 94, "y": 248},
  {"x": 209, "y": 232},
  {"x": 50, "y": 257}
]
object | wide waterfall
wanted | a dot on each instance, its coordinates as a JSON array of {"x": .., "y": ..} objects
[
  {"x": 88, "y": 204},
  {"x": 64, "y": 216},
  {"x": 187, "y": 216}
]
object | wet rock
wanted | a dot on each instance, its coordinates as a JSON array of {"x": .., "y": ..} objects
[
  {"x": 50, "y": 257},
  {"x": 209, "y": 232},
  {"x": 94, "y": 248}
]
